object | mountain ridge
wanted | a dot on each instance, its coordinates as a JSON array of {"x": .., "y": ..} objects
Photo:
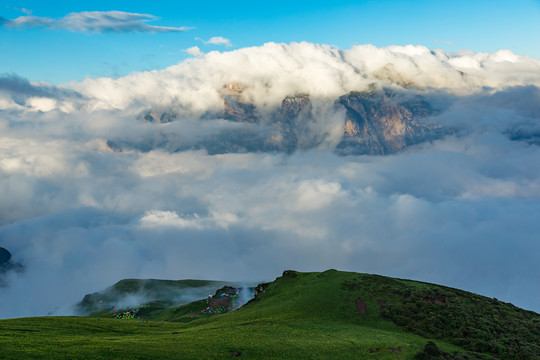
[{"x": 371, "y": 122}]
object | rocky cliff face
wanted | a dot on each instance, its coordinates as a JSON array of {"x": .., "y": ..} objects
[
  {"x": 234, "y": 107},
  {"x": 377, "y": 122},
  {"x": 290, "y": 118}
]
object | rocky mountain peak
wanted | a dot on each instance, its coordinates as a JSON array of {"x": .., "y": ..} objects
[
  {"x": 291, "y": 106},
  {"x": 379, "y": 122},
  {"x": 232, "y": 88},
  {"x": 234, "y": 106}
]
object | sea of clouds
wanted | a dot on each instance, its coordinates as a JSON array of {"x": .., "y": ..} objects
[{"x": 462, "y": 211}]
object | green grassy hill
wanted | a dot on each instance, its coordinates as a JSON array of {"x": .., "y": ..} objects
[{"x": 328, "y": 315}]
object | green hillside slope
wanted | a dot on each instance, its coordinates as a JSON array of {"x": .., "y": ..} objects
[{"x": 329, "y": 315}]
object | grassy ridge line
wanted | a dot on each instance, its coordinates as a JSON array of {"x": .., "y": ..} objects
[
  {"x": 329, "y": 315},
  {"x": 478, "y": 324}
]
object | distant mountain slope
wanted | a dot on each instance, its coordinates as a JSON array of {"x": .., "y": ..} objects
[
  {"x": 133, "y": 292},
  {"x": 225, "y": 299}
]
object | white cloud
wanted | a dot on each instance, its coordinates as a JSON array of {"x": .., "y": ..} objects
[
  {"x": 159, "y": 163},
  {"x": 93, "y": 21},
  {"x": 159, "y": 218},
  {"x": 216, "y": 40},
  {"x": 315, "y": 195},
  {"x": 81, "y": 217},
  {"x": 41, "y": 104},
  {"x": 195, "y": 51},
  {"x": 274, "y": 71}
]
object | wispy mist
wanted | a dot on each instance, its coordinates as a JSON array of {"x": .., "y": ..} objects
[{"x": 462, "y": 210}]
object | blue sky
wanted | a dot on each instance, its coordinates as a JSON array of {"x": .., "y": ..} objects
[{"x": 60, "y": 55}]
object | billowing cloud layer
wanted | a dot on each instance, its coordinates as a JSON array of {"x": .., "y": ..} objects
[
  {"x": 92, "y": 21},
  {"x": 460, "y": 211}
]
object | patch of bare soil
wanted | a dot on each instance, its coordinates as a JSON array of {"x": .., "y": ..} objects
[
  {"x": 439, "y": 300},
  {"x": 361, "y": 306},
  {"x": 217, "y": 302}
]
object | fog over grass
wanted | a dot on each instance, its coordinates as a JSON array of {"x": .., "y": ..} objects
[{"x": 462, "y": 211}]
